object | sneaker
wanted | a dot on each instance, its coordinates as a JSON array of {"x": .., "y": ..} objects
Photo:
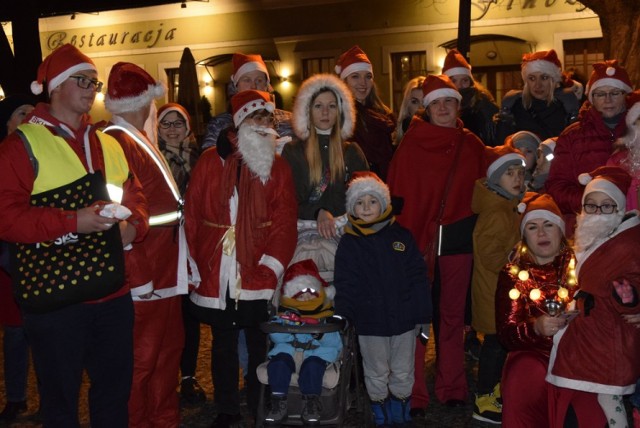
[
  {"x": 278, "y": 411},
  {"x": 12, "y": 409},
  {"x": 311, "y": 410},
  {"x": 472, "y": 345},
  {"x": 487, "y": 409},
  {"x": 191, "y": 393}
]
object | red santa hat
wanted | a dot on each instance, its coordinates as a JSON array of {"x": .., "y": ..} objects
[
  {"x": 58, "y": 66},
  {"x": 540, "y": 206},
  {"x": 131, "y": 88},
  {"x": 548, "y": 146},
  {"x": 367, "y": 183},
  {"x": 608, "y": 73},
  {"x": 304, "y": 275},
  {"x": 435, "y": 87},
  {"x": 175, "y": 107},
  {"x": 243, "y": 64},
  {"x": 546, "y": 62},
  {"x": 352, "y": 61},
  {"x": 309, "y": 89},
  {"x": 613, "y": 181},
  {"x": 456, "y": 64},
  {"x": 503, "y": 157},
  {"x": 246, "y": 102}
]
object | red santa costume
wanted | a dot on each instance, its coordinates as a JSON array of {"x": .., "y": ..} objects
[
  {"x": 241, "y": 213},
  {"x": 159, "y": 264},
  {"x": 434, "y": 171},
  {"x": 597, "y": 352}
]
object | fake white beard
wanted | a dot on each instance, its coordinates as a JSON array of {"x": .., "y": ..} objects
[
  {"x": 258, "y": 151},
  {"x": 592, "y": 229}
]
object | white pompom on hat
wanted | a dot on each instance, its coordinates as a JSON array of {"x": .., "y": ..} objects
[
  {"x": 608, "y": 73},
  {"x": 304, "y": 274},
  {"x": 367, "y": 183},
  {"x": 352, "y": 61},
  {"x": 546, "y": 62},
  {"x": 243, "y": 64},
  {"x": 309, "y": 89},
  {"x": 456, "y": 64},
  {"x": 131, "y": 88},
  {"x": 540, "y": 206},
  {"x": 613, "y": 181},
  {"x": 58, "y": 66},
  {"x": 246, "y": 102},
  {"x": 440, "y": 86}
]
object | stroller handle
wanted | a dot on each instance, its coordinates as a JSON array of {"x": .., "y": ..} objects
[{"x": 337, "y": 325}]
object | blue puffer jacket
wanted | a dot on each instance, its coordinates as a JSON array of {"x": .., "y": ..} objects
[
  {"x": 381, "y": 282},
  {"x": 327, "y": 346}
]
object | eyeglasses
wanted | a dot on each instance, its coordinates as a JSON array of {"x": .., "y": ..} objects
[
  {"x": 262, "y": 119},
  {"x": 604, "y": 208},
  {"x": 177, "y": 124},
  {"x": 85, "y": 83},
  {"x": 603, "y": 95}
]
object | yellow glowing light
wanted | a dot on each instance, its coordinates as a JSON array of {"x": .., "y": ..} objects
[
  {"x": 572, "y": 263},
  {"x": 563, "y": 293},
  {"x": 571, "y": 281},
  {"x": 514, "y": 294},
  {"x": 535, "y": 294},
  {"x": 100, "y": 97},
  {"x": 513, "y": 270},
  {"x": 572, "y": 272},
  {"x": 523, "y": 275}
]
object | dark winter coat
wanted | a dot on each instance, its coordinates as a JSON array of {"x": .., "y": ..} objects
[{"x": 381, "y": 282}]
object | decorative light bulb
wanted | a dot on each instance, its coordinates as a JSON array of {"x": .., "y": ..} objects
[
  {"x": 523, "y": 275},
  {"x": 513, "y": 270},
  {"x": 535, "y": 294},
  {"x": 572, "y": 263},
  {"x": 571, "y": 281},
  {"x": 563, "y": 293},
  {"x": 514, "y": 294}
]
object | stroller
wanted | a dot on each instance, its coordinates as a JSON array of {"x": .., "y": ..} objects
[{"x": 335, "y": 397}]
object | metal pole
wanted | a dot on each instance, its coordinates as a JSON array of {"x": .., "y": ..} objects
[{"x": 464, "y": 28}]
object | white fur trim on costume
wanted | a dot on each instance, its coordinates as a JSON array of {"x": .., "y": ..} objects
[
  {"x": 457, "y": 71},
  {"x": 353, "y": 68},
  {"x": 57, "y": 81},
  {"x": 129, "y": 104},
  {"x": 273, "y": 264},
  {"x": 367, "y": 186},
  {"x": 301, "y": 120},
  {"x": 633, "y": 115},
  {"x": 299, "y": 283},
  {"x": 608, "y": 81},
  {"x": 543, "y": 214},
  {"x": 440, "y": 93},
  {"x": 249, "y": 108},
  {"x": 544, "y": 67},
  {"x": 248, "y": 67},
  {"x": 508, "y": 158}
]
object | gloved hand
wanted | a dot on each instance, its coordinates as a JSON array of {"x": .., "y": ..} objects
[{"x": 422, "y": 333}]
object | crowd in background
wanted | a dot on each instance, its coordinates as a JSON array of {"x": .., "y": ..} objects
[{"x": 509, "y": 231}]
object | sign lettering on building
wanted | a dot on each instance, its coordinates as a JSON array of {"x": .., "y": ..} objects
[{"x": 132, "y": 39}]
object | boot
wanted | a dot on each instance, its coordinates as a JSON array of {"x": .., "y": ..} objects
[
  {"x": 311, "y": 409},
  {"x": 400, "y": 411},
  {"x": 278, "y": 412},
  {"x": 382, "y": 412},
  {"x": 12, "y": 409}
]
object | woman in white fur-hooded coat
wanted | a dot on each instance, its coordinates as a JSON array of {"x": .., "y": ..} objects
[
  {"x": 627, "y": 152},
  {"x": 321, "y": 158}
]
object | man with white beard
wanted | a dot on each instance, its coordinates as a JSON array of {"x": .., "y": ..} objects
[
  {"x": 241, "y": 213},
  {"x": 598, "y": 351}
]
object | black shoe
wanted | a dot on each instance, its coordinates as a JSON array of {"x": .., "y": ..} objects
[
  {"x": 311, "y": 409},
  {"x": 224, "y": 420},
  {"x": 191, "y": 393},
  {"x": 12, "y": 409},
  {"x": 455, "y": 403}
]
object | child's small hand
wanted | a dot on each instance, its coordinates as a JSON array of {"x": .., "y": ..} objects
[{"x": 624, "y": 290}]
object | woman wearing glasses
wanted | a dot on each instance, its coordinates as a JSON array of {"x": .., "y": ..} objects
[
  {"x": 176, "y": 142},
  {"x": 588, "y": 143}
]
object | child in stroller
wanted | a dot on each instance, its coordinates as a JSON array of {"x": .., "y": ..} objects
[{"x": 307, "y": 300}]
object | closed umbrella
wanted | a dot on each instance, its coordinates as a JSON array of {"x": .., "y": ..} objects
[{"x": 189, "y": 92}]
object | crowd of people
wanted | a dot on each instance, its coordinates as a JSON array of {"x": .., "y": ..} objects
[{"x": 515, "y": 224}]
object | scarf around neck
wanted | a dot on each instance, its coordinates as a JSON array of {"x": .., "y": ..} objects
[{"x": 359, "y": 227}]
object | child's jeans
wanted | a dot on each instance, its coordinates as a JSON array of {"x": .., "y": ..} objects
[{"x": 282, "y": 366}]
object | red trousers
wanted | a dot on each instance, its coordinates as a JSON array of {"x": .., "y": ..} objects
[
  {"x": 158, "y": 339},
  {"x": 451, "y": 378},
  {"x": 419, "y": 393}
]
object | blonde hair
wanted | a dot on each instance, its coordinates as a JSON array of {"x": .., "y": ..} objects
[
  {"x": 415, "y": 83},
  {"x": 527, "y": 98},
  {"x": 312, "y": 148}
]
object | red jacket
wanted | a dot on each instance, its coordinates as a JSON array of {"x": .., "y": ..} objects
[
  {"x": 418, "y": 174},
  {"x": 20, "y": 222},
  {"x": 582, "y": 147},
  {"x": 207, "y": 221}
]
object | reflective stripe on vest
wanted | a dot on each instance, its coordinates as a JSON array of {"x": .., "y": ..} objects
[
  {"x": 160, "y": 161},
  {"x": 58, "y": 163}
]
